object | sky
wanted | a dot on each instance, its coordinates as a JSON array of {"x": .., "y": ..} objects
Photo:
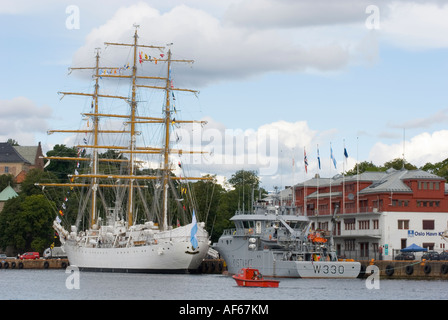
[{"x": 277, "y": 78}]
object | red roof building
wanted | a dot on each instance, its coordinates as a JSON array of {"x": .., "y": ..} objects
[{"x": 377, "y": 213}]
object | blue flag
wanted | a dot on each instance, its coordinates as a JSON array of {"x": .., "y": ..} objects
[
  {"x": 194, "y": 229},
  {"x": 318, "y": 157},
  {"x": 332, "y": 157}
]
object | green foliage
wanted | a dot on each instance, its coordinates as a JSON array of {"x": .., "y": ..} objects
[
  {"x": 396, "y": 164},
  {"x": 26, "y": 223},
  {"x": 6, "y": 180},
  {"x": 208, "y": 194},
  {"x": 439, "y": 168},
  {"x": 61, "y": 168}
]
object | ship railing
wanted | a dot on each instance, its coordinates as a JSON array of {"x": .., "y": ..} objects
[{"x": 239, "y": 232}]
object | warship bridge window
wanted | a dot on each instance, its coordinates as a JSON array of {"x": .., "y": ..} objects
[{"x": 258, "y": 227}]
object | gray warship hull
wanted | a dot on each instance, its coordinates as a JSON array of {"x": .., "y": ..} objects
[{"x": 278, "y": 245}]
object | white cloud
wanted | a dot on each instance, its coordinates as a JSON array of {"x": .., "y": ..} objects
[
  {"x": 222, "y": 51},
  {"x": 292, "y": 13},
  {"x": 416, "y": 25},
  {"x": 441, "y": 116},
  {"x": 22, "y": 119},
  {"x": 268, "y": 149},
  {"x": 422, "y": 148}
]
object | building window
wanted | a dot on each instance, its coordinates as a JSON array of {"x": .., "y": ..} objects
[
  {"x": 364, "y": 224},
  {"x": 6, "y": 169},
  {"x": 349, "y": 245},
  {"x": 428, "y": 224},
  {"x": 349, "y": 224},
  {"x": 376, "y": 224},
  {"x": 403, "y": 224},
  {"x": 364, "y": 249},
  {"x": 404, "y": 243},
  {"x": 322, "y": 226}
]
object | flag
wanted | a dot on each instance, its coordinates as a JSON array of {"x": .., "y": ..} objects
[
  {"x": 46, "y": 165},
  {"x": 194, "y": 230},
  {"x": 318, "y": 157},
  {"x": 332, "y": 157},
  {"x": 345, "y": 153},
  {"x": 305, "y": 159}
]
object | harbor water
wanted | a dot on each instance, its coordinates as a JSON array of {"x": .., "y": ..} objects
[{"x": 65, "y": 285}]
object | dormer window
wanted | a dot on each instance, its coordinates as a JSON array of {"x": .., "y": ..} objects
[{"x": 428, "y": 185}]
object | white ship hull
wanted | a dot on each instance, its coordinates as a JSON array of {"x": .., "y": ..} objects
[{"x": 169, "y": 252}]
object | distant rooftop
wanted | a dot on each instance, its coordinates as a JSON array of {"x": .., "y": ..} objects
[{"x": 7, "y": 194}]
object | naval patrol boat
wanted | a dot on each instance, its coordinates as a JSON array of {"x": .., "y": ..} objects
[{"x": 280, "y": 243}]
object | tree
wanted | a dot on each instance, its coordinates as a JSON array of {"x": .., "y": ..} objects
[
  {"x": 207, "y": 195},
  {"x": 438, "y": 168},
  {"x": 397, "y": 164},
  {"x": 59, "y": 167},
  {"x": 246, "y": 184},
  {"x": 244, "y": 178},
  {"x": 363, "y": 167},
  {"x": 6, "y": 180},
  {"x": 26, "y": 223},
  {"x": 12, "y": 142}
]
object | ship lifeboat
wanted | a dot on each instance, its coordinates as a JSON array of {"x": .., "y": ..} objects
[
  {"x": 316, "y": 238},
  {"x": 250, "y": 277}
]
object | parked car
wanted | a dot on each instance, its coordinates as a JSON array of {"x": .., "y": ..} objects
[
  {"x": 431, "y": 255},
  {"x": 405, "y": 256},
  {"x": 55, "y": 253},
  {"x": 3, "y": 256},
  {"x": 443, "y": 255},
  {"x": 30, "y": 255}
]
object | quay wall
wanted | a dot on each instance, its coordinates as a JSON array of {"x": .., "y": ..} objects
[
  {"x": 412, "y": 269},
  {"x": 421, "y": 270},
  {"x": 11, "y": 263}
]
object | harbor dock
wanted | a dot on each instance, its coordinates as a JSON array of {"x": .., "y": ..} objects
[
  {"x": 12, "y": 263},
  {"x": 409, "y": 269},
  {"x": 393, "y": 269}
]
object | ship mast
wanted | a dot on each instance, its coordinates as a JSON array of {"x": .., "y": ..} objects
[
  {"x": 132, "y": 149},
  {"x": 167, "y": 144},
  {"x": 133, "y": 103},
  {"x": 168, "y": 121},
  {"x": 93, "y": 215}
]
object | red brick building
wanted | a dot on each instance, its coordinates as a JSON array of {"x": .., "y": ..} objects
[{"x": 377, "y": 212}]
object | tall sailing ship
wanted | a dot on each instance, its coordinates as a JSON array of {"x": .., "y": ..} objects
[{"x": 114, "y": 240}]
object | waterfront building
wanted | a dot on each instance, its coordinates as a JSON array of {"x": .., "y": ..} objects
[
  {"x": 18, "y": 160},
  {"x": 376, "y": 214}
]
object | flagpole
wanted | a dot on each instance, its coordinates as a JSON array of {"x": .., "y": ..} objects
[
  {"x": 357, "y": 176},
  {"x": 318, "y": 177},
  {"x": 293, "y": 185},
  {"x": 305, "y": 160},
  {"x": 343, "y": 181},
  {"x": 331, "y": 156}
]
